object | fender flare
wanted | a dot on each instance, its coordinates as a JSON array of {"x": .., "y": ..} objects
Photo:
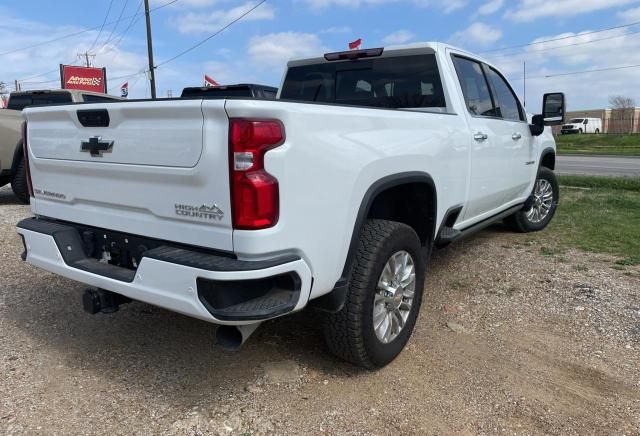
[
  {"x": 18, "y": 154},
  {"x": 547, "y": 151},
  {"x": 335, "y": 299}
]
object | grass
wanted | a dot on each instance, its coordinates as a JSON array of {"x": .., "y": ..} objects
[
  {"x": 615, "y": 183},
  {"x": 626, "y": 145},
  {"x": 604, "y": 218}
]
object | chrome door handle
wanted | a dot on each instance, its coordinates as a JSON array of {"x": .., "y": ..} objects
[
  {"x": 516, "y": 136},
  {"x": 480, "y": 136}
]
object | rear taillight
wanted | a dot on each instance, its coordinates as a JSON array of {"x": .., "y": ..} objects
[
  {"x": 25, "y": 150},
  {"x": 254, "y": 192}
]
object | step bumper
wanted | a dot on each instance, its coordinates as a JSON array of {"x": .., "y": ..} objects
[{"x": 213, "y": 288}]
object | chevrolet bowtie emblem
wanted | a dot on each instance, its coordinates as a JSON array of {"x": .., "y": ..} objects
[{"x": 96, "y": 146}]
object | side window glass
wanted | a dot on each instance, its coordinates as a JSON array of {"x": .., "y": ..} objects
[
  {"x": 474, "y": 87},
  {"x": 507, "y": 105}
]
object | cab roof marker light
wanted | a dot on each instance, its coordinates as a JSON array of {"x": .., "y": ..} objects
[{"x": 354, "y": 54}]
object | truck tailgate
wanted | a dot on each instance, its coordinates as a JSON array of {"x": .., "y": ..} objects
[{"x": 159, "y": 169}]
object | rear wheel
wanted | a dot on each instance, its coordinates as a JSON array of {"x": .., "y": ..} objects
[
  {"x": 19, "y": 183},
  {"x": 546, "y": 193},
  {"x": 383, "y": 297}
]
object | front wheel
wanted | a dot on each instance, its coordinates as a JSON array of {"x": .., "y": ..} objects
[
  {"x": 383, "y": 298},
  {"x": 545, "y": 196}
]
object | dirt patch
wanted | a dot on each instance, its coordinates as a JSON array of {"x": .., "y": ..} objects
[{"x": 541, "y": 344}]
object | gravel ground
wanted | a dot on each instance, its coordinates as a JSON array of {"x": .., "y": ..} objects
[{"x": 511, "y": 340}]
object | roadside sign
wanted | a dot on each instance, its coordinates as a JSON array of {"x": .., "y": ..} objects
[{"x": 84, "y": 78}]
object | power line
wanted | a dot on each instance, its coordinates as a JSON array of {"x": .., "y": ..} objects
[
  {"x": 80, "y": 32},
  {"x": 101, "y": 27},
  {"x": 217, "y": 32},
  {"x": 134, "y": 20},
  {"x": 144, "y": 71},
  {"x": 506, "y": 55},
  {"x": 126, "y": 76},
  {"x": 573, "y": 73},
  {"x": 116, "y": 25},
  {"x": 561, "y": 38}
]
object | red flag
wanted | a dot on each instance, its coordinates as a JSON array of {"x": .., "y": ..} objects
[
  {"x": 4, "y": 101},
  {"x": 355, "y": 45},
  {"x": 208, "y": 81}
]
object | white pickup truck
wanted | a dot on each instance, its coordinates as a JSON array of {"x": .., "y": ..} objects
[{"x": 236, "y": 211}]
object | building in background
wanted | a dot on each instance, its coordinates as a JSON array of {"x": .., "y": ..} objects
[{"x": 614, "y": 121}]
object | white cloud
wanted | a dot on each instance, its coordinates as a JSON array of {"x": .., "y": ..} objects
[
  {"x": 275, "y": 49},
  {"x": 584, "y": 90},
  {"x": 529, "y": 10},
  {"x": 452, "y": 5},
  {"x": 447, "y": 6},
  {"x": 337, "y": 29},
  {"x": 202, "y": 22},
  {"x": 630, "y": 15},
  {"x": 398, "y": 37},
  {"x": 477, "y": 34},
  {"x": 318, "y": 4},
  {"x": 38, "y": 67},
  {"x": 186, "y": 3},
  {"x": 490, "y": 7}
]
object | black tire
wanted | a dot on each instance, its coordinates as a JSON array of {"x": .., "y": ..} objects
[
  {"x": 597, "y": 131},
  {"x": 580, "y": 132},
  {"x": 19, "y": 183},
  {"x": 349, "y": 333},
  {"x": 520, "y": 220}
]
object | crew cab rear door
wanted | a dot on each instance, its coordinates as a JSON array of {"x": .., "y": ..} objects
[{"x": 500, "y": 148}]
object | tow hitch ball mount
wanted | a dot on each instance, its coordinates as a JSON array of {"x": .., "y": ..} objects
[{"x": 96, "y": 300}]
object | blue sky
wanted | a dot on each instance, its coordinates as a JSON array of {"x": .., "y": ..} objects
[{"x": 256, "y": 49}]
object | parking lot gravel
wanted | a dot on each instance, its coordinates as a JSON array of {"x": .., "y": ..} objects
[{"x": 511, "y": 339}]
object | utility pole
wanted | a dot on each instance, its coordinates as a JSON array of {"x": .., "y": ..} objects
[
  {"x": 524, "y": 73},
  {"x": 152, "y": 73},
  {"x": 17, "y": 85},
  {"x": 86, "y": 55}
]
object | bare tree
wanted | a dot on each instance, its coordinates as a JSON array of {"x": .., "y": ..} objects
[
  {"x": 621, "y": 102},
  {"x": 622, "y": 114}
]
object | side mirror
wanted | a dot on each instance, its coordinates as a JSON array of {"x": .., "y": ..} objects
[{"x": 553, "y": 109}]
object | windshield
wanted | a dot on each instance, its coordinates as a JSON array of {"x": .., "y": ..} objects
[
  {"x": 576, "y": 121},
  {"x": 394, "y": 82},
  {"x": 21, "y": 101}
]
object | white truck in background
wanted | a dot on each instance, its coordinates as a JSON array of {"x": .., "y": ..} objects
[
  {"x": 236, "y": 210},
  {"x": 582, "y": 125}
]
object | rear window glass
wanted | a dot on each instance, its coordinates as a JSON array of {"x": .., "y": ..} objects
[
  {"x": 21, "y": 101},
  {"x": 217, "y": 92},
  {"x": 394, "y": 82},
  {"x": 92, "y": 98}
]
